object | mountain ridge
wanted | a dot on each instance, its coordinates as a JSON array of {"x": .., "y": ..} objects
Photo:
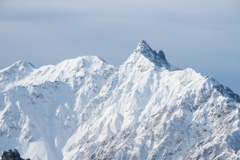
[{"x": 146, "y": 108}]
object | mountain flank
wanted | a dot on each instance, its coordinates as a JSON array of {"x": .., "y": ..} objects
[{"x": 85, "y": 108}]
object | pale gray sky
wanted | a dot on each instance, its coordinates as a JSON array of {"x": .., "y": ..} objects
[{"x": 203, "y": 35}]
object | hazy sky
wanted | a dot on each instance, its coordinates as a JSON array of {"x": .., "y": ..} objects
[{"x": 203, "y": 35}]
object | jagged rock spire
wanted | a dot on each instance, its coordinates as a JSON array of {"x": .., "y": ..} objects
[
  {"x": 143, "y": 47},
  {"x": 157, "y": 58}
]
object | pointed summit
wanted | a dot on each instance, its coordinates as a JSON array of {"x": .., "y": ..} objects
[
  {"x": 143, "y": 47},
  {"x": 158, "y": 59}
]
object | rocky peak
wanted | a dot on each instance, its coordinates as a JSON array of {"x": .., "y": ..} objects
[
  {"x": 143, "y": 47},
  {"x": 158, "y": 59}
]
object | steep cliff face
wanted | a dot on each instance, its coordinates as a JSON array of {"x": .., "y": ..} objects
[{"x": 144, "y": 109}]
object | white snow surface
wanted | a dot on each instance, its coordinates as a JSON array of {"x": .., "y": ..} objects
[{"x": 146, "y": 108}]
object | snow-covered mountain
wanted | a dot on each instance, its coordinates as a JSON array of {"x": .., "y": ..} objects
[{"x": 146, "y": 108}]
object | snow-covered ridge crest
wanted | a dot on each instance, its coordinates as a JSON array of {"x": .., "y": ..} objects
[
  {"x": 41, "y": 108},
  {"x": 20, "y": 65},
  {"x": 84, "y": 108},
  {"x": 15, "y": 72}
]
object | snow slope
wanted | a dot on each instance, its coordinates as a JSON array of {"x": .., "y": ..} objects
[
  {"x": 40, "y": 110},
  {"x": 146, "y": 108}
]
